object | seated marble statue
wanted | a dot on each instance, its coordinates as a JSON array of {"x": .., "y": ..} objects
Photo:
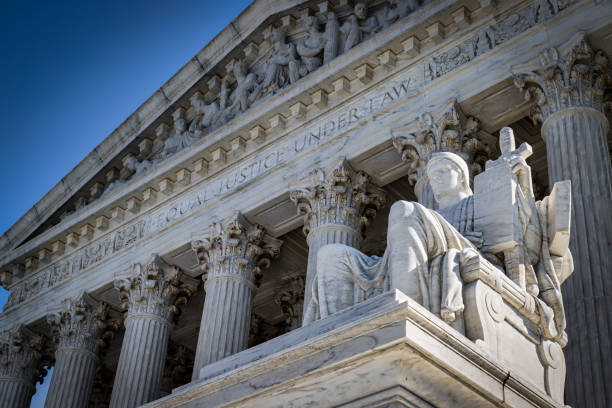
[{"x": 426, "y": 250}]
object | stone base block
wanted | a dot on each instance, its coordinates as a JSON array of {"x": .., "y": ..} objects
[{"x": 388, "y": 351}]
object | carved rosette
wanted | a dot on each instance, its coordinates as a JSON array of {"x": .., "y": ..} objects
[
  {"x": 449, "y": 131},
  {"x": 342, "y": 197},
  {"x": 155, "y": 289},
  {"x": 568, "y": 76},
  {"x": 80, "y": 324},
  {"x": 20, "y": 354},
  {"x": 235, "y": 248}
]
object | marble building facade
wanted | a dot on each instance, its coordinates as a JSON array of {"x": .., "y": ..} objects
[{"x": 175, "y": 265}]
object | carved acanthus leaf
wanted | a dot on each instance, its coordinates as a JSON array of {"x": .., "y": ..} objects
[
  {"x": 178, "y": 367},
  {"x": 291, "y": 301},
  {"x": 450, "y": 130},
  {"x": 235, "y": 247},
  {"x": 571, "y": 75},
  {"x": 80, "y": 323},
  {"x": 156, "y": 288},
  {"x": 20, "y": 353},
  {"x": 342, "y": 196}
]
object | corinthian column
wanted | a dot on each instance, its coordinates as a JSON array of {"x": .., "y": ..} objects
[
  {"x": 78, "y": 330},
  {"x": 232, "y": 255},
  {"x": 568, "y": 83},
  {"x": 337, "y": 208},
  {"x": 447, "y": 130},
  {"x": 20, "y": 354},
  {"x": 151, "y": 295}
]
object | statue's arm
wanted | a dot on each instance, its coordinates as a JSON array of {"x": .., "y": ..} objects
[{"x": 523, "y": 174}]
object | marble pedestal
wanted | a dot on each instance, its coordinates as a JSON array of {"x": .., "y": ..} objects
[{"x": 385, "y": 352}]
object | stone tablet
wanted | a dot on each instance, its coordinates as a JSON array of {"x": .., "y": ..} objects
[
  {"x": 495, "y": 208},
  {"x": 559, "y": 217}
]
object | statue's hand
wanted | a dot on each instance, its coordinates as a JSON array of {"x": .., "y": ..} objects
[
  {"x": 475, "y": 237},
  {"x": 522, "y": 171}
]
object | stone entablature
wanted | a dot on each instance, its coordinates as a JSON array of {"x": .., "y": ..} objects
[
  {"x": 363, "y": 72},
  {"x": 405, "y": 84},
  {"x": 270, "y": 57}
]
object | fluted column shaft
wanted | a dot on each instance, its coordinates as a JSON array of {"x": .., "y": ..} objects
[
  {"x": 141, "y": 362},
  {"x": 78, "y": 328},
  {"x": 20, "y": 356},
  {"x": 225, "y": 320},
  {"x": 578, "y": 151},
  {"x": 150, "y": 294},
  {"x": 72, "y": 379},
  {"x": 329, "y": 233},
  {"x": 337, "y": 205},
  {"x": 15, "y": 392},
  {"x": 232, "y": 255},
  {"x": 567, "y": 83}
]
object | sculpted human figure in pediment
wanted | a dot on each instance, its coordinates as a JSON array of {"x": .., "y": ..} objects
[
  {"x": 181, "y": 136},
  {"x": 246, "y": 89},
  {"x": 502, "y": 225},
  {"x": 282, "y": 65},
  {"x": 359, "y": 27},
  {"x": 310, "y": 47},
  {"x": 399, "y": 9}
]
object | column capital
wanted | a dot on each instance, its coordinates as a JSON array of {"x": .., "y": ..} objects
[
  {"x": 156, "y": 289},
  {"x": 235, "y": 248},
  {"x": 80, "y": 323},
  {"x": 341, "y": 196},
  {"x": 447, "y": 129},
  {"x": 20, "y": 354},
  {"x": 291, "y": 301},
  {"x": 572, "y": 75}
]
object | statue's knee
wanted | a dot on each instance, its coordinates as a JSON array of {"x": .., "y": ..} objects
[{"x": 400, "y": 209}]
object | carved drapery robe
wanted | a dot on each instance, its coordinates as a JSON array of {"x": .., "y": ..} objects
[
  {"x": 422, "y": 259},
  {"x": 425, "y": 252}
]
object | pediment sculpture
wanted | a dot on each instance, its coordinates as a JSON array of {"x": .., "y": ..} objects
[
  {"x": 429, "y": 255},
  {"x": 286, "y": 54}
]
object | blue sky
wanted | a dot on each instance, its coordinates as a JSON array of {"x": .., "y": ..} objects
[{"x": 72, "y": 71}]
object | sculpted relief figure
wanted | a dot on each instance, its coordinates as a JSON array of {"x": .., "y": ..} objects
[
  {"x": 309, "y": 48},
  {"x": 359, "y": 27},
  {"x": 282, "y": 66},
  {"x": 207, "y": 115},
  {"x": 427, "y": 249},
  {"x": 398, "y": 10},
  {"x": 246, "y": 89},
  {"x": 181, "y": 136}
]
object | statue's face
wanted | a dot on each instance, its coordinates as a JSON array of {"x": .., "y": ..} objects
[
  {"x": 180, "y": 124},
  {"x": 361, "y": 10},
  {"x": 444, "y": 178}
]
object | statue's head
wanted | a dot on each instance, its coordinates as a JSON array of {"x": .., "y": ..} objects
[
  {"x": 179, "y": 123},
  {"x": 311, "y": 22},
  {"x": 277, "y": 35},
  {"x": 449, "y": 177},
  {"x": 361, "y": 10},
  {"x": 239, "y": 69}
]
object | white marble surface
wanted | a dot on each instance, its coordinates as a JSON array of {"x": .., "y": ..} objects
[{"x": 386, "y": 347}]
